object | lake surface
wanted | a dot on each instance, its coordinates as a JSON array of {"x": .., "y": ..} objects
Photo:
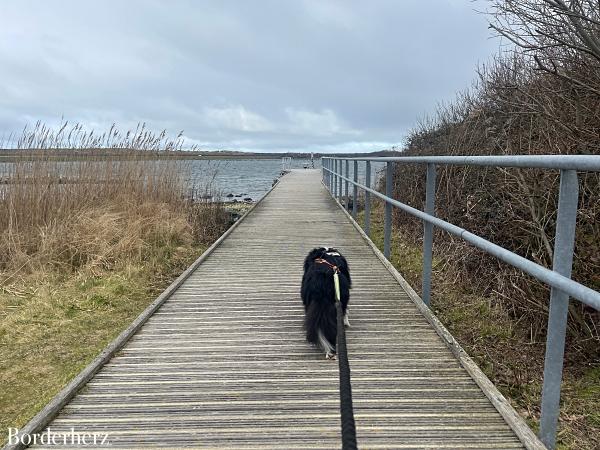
[
  {"x": 241, "y": 177},
  {"x": 251, "y": 178},
  {"x": 216, "y": 179}
]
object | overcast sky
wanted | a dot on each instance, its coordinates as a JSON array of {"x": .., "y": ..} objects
[{"x": 305, "y": 75}]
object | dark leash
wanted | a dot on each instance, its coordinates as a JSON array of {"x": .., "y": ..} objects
[{"x": 346, "y": 408}]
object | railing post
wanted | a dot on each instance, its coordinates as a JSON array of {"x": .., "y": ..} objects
[
  {"x": 428, "y": 234},
  {"x": 335, "y": 178},
  {"x": 330, "y": 179},
  {"x": 387, "y": 232},
  {"x": 355, "y": 191},
  {"x": 368, "y": 200},
  {"x": 347, "y": 175},
  {"x": 559, "y": 303},
  {"x": 340, "y": 184}
]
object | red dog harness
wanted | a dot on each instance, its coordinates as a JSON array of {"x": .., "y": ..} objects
[
  {"x": 336, "y": 278},
  {"x": 324, "y": 261}
]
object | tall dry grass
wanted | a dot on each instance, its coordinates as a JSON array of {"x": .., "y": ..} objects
[
  {"x": 74, "y": 136},
  {"x": 95, "y": 210}
]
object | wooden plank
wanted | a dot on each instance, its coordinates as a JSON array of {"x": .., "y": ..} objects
[{"x": 223, "y": 362}]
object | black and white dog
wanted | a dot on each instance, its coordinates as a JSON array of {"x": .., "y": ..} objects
[{"x": 318, "y": 296}]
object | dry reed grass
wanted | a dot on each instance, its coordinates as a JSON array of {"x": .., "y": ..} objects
[
  {"x": 73, "y": 136},
  {"x": 96, "y": 210}
]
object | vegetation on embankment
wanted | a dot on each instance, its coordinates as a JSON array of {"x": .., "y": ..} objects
[
  {"x": 540, "y": 97},
  {"x": 79, "y": 261},
  {"x": 497, "y": 340}
]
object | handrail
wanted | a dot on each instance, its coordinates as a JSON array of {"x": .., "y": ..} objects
[
  {"x": 566, "y": 162},
  {"x": 559, "y": 278},
  {"x": 550, "y": 277}
]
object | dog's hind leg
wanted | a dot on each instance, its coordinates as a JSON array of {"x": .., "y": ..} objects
[
  {"x": 326, "y": 346},
  {"x": 347, "y": 319}
]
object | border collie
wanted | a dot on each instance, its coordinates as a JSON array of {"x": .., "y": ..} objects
[{"x": 318, "y": 296}]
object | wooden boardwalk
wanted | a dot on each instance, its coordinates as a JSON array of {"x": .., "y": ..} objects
[{"x": 224, "y": 363}]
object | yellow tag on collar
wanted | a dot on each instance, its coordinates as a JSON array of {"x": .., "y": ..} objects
[{"x": 336, "y": 283}]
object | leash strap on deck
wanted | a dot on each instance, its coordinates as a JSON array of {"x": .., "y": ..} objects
[{"x": 346, "y": 408}]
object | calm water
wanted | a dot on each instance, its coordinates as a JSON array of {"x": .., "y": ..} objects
[
  {"x": 253, "y": 178},
  {"x": 243, "y": 178},
  {"x": 246, "y": 178}
]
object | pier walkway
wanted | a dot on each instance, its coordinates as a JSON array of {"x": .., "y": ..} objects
[{"x": 223, "y": 363}]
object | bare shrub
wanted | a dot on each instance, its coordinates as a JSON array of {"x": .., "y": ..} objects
[{"x": 541, "y": 98}]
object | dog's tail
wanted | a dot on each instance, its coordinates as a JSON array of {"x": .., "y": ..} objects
[{"x": 321, "y": 325}]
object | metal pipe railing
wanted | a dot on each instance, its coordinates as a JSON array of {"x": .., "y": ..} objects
[
  {"x": 428, "y": 233},
  {"x": 347, "y": 198},
  {"x": 582, "y": 163},
  {"x": 387, "y": 229},
  {"x": 368, "y": 200},
  {"x": 355, "y": 191},
  {"x": 562, "y": 287}
]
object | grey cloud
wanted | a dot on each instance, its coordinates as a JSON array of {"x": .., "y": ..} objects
[{"x": 260, "y": 75}]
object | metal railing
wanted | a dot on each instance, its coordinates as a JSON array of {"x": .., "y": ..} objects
[
  {"x": 559, "y": 278},
  {"x": 286, "y": 163}
]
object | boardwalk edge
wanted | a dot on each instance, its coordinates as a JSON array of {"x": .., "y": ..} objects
[
  {"x": 51, "y": 410},
  {"x": 502, "y": 405}
]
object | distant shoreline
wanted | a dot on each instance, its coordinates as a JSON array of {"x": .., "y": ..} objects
[
  {"x": 127, "y": 156},
  {"x": 9, "y": 155}
]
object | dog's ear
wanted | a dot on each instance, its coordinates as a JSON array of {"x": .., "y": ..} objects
[
  {"x": 343, "y": 265},
  {"x": 312, "y": 255}
]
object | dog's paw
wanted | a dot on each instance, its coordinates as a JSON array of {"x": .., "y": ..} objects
[
  {"x": 346, "y": 321},
  {"x": 330, "y": 356}
]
